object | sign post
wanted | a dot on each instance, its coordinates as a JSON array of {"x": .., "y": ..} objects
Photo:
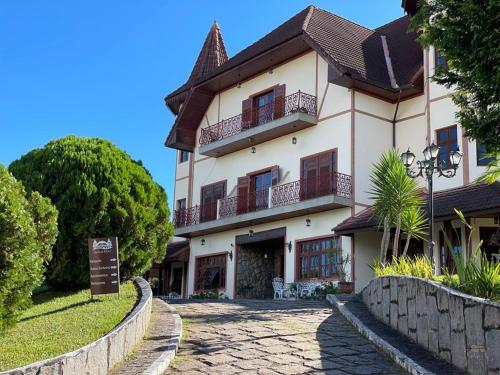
[{"x": 104, "y": 267}]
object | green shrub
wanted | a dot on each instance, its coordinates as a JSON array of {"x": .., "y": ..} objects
[
  {"x": 208, "y": 294},
  {"x": 475, "y": 275},
  {"x": 28, "y": 230},
  {"x": 418, "y": 266},
  {"x": 99, "y": 191},
  {"x": 326, "y": 289}
]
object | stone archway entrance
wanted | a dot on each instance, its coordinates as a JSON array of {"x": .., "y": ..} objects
[{"x": 260, "y": 258}]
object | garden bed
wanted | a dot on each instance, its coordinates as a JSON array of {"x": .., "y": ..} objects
[{"x": 58, "y": 323}]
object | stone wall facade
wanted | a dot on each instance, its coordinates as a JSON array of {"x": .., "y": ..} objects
[
  {"x": 462, "y": 329},
  {"x": 98, "y": 357},
  {"x": 255, "y": 272}
]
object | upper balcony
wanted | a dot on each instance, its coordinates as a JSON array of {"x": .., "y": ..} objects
[
  {"x": 297, "y": 198},
  {"x": 284, "y": 115}
]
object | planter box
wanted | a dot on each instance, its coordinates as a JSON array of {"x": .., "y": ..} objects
[{"x": 345, "y": 287}]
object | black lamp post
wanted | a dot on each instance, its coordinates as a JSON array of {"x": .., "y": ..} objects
[{"x": 426, "y": 168}]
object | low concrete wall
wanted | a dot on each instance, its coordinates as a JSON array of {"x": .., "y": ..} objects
[
  {"x": 99, "y": 356},
  {"x": 460, "y": 328}
]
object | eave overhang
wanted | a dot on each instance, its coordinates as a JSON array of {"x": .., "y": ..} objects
[{"x": 183, "y": 133}]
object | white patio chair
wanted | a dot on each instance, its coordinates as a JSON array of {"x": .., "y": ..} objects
[
  {"x": 278, "y": 287},
  {"x": 309, "y": 288}
]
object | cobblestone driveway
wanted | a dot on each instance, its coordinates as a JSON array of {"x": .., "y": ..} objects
[{"x": 272, "y": 337}]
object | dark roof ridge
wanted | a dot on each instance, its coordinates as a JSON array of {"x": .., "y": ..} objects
[{"x": 389, "y": 23}]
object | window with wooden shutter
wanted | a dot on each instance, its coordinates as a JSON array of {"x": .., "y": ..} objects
[
  {"x": 317, "y": 175},
  {"x": 275, "y": 175},
  {"x": 246, "y": 114},
  {"x": 242, "y": 192},
  {"x": 209, "y": 196},
  {"x": 279, "y": 101}
]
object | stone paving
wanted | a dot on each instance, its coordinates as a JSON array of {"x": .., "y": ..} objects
[
  {"x": 272, "y": 337},
  {"x": 157, "y": 340}
]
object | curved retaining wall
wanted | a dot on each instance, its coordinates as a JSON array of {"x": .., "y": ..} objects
[
  {"x": 460, "y": 328},
  {"x": 99, "y": 356}
]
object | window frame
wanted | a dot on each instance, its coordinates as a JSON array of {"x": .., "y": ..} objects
[
  {"x": 177, "y": 204},
  {"x": 298, "y": 264},
  {"x": 198, "y": 259},
  {"x": 443, "y": 67},
  {"x": 202, "y": 204},
  {"x": 181, "y": 159},
  {"x": 447, "y": 143},
  {"x": 484, "y": 161}
]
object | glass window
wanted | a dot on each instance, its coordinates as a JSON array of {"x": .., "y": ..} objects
[
  {"x": 440, "y": 60},
  {"x": 447, "y": 142},
  {"x": 481, "y": 152},
  {"x": 210, "y": 272},
  {"x": 264, "y": 107},
  {"x": 183, "y": 156},
  {"x": 181, "y": 204},
  {"x": 319, "y": 258}
]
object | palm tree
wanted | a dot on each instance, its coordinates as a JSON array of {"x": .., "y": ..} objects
[
  {"x": 393, "y": 192},
  {"x": 492, "y": 173},
  {"x": 414, "y": 225}
]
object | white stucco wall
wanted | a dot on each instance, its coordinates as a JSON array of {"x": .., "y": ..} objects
[
  {"x": 366, "y": 246},
  {"x": 296, "y": 230}
]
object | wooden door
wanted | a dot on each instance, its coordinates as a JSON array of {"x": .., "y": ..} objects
[
  {"x": 209, "y": 196},
  {"x": 318, "y": 177}
]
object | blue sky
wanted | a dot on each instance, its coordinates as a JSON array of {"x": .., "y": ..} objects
[{"x": 102, "y": 68}]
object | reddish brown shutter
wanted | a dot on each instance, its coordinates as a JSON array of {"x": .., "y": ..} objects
[
  {"x": 275, "y": 175},
  {"x": 246, "y": 113},
  {"x": 242, "y": 192},
  {"x": 279, "y": 101}
]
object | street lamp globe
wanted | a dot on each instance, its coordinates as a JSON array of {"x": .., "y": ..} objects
[
  {"x": 407, "y": 158},
  {"x": 434, "y": 151},
  {"x": 456, "y": 157}
]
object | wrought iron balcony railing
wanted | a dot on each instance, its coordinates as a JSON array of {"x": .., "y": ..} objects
[
  {"x": 280, "y": 107},
  {"x": 334, "y": 183}
]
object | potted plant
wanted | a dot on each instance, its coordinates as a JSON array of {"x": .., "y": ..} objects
[{"x": 344, "y": 286}]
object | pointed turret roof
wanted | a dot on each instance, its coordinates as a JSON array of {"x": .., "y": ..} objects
[{"x": 212, "y": 55}]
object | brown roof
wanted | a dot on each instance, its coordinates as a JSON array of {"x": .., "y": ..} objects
[
  {"x": 473, "y": 199},
  {"x": 404, "y": 49},
  {"x": 353, "y": 51}
]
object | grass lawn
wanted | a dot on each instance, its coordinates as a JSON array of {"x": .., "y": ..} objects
[{"x": 59, "y": 322}]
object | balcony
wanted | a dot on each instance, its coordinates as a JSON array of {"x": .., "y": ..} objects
[
  {"x": 283, "y": 116},
  {"x": 297, "y": 198}
]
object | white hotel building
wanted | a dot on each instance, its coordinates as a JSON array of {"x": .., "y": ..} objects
[{"x": 276, "y": 145}]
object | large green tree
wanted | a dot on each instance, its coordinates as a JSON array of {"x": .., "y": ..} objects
[
  {"x": 467, "y": 33},
  {"x": 99, "y": 191},
  {"x": 28, "y": 230}
]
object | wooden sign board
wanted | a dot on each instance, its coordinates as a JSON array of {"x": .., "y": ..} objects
[{"x": 104, "y": 268}]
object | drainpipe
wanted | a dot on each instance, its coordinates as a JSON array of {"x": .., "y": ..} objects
[{"x": 394, "y": 121}]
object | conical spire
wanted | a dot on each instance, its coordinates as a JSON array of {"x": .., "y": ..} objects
[{"x": 212, "y": 55}]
